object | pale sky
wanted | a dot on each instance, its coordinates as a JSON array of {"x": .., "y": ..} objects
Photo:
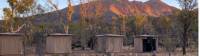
[{"x": 62, "y": 3}]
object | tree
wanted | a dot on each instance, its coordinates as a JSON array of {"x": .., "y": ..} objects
[
  {"x": 131, "y": 29},
  {"x": 19, "y": 9},
  {"x": 40, "y": 39},
  {"x": 113, "y": 28},
  {"x": 22, "y": 14},
  {"x": 55, "y": 7},
  {"x": 60, "y": 14},
  {"x": 186, "y": 17},
  {"x": 39, "y": 32},
  {"x": 69, "y": 16},
  {"x": 82, "y": 24},
  {"x": 91, "y": 22},
  {"x": 7, "y": 18},
  {"x": 21, "y": 6},
  {"x": 168, "y": 41},
  {"x": 139, "y": 23}
]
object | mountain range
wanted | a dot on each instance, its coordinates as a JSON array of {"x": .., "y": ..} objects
[
  {"x": 154, "y": 8},
  {"x": 108, "y": 9}
]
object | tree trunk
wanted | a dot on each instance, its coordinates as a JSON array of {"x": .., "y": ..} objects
[
  {"x": 24, "y": 50},
  {"x": 40, "y": 44},
  {"x": 11, "y": 24},
  {"x": 184, "y": 43},
  {"x": 169, "y": 53},
  {"x": 67, "y": 29}
]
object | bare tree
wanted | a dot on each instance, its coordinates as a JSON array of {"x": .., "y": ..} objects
[{"x": 185, "y": 18}]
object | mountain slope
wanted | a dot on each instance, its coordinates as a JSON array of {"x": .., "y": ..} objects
[
  {"x": 153, "y": 8},
  {"x": 108, "y": 8}
]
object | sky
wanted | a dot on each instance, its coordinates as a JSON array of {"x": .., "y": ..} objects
[{"x": 62, "y": 4}]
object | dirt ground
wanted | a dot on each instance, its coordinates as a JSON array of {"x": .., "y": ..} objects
[
  {"x": 132, "y": 54},
  {"x": 167, "y": 54}
]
